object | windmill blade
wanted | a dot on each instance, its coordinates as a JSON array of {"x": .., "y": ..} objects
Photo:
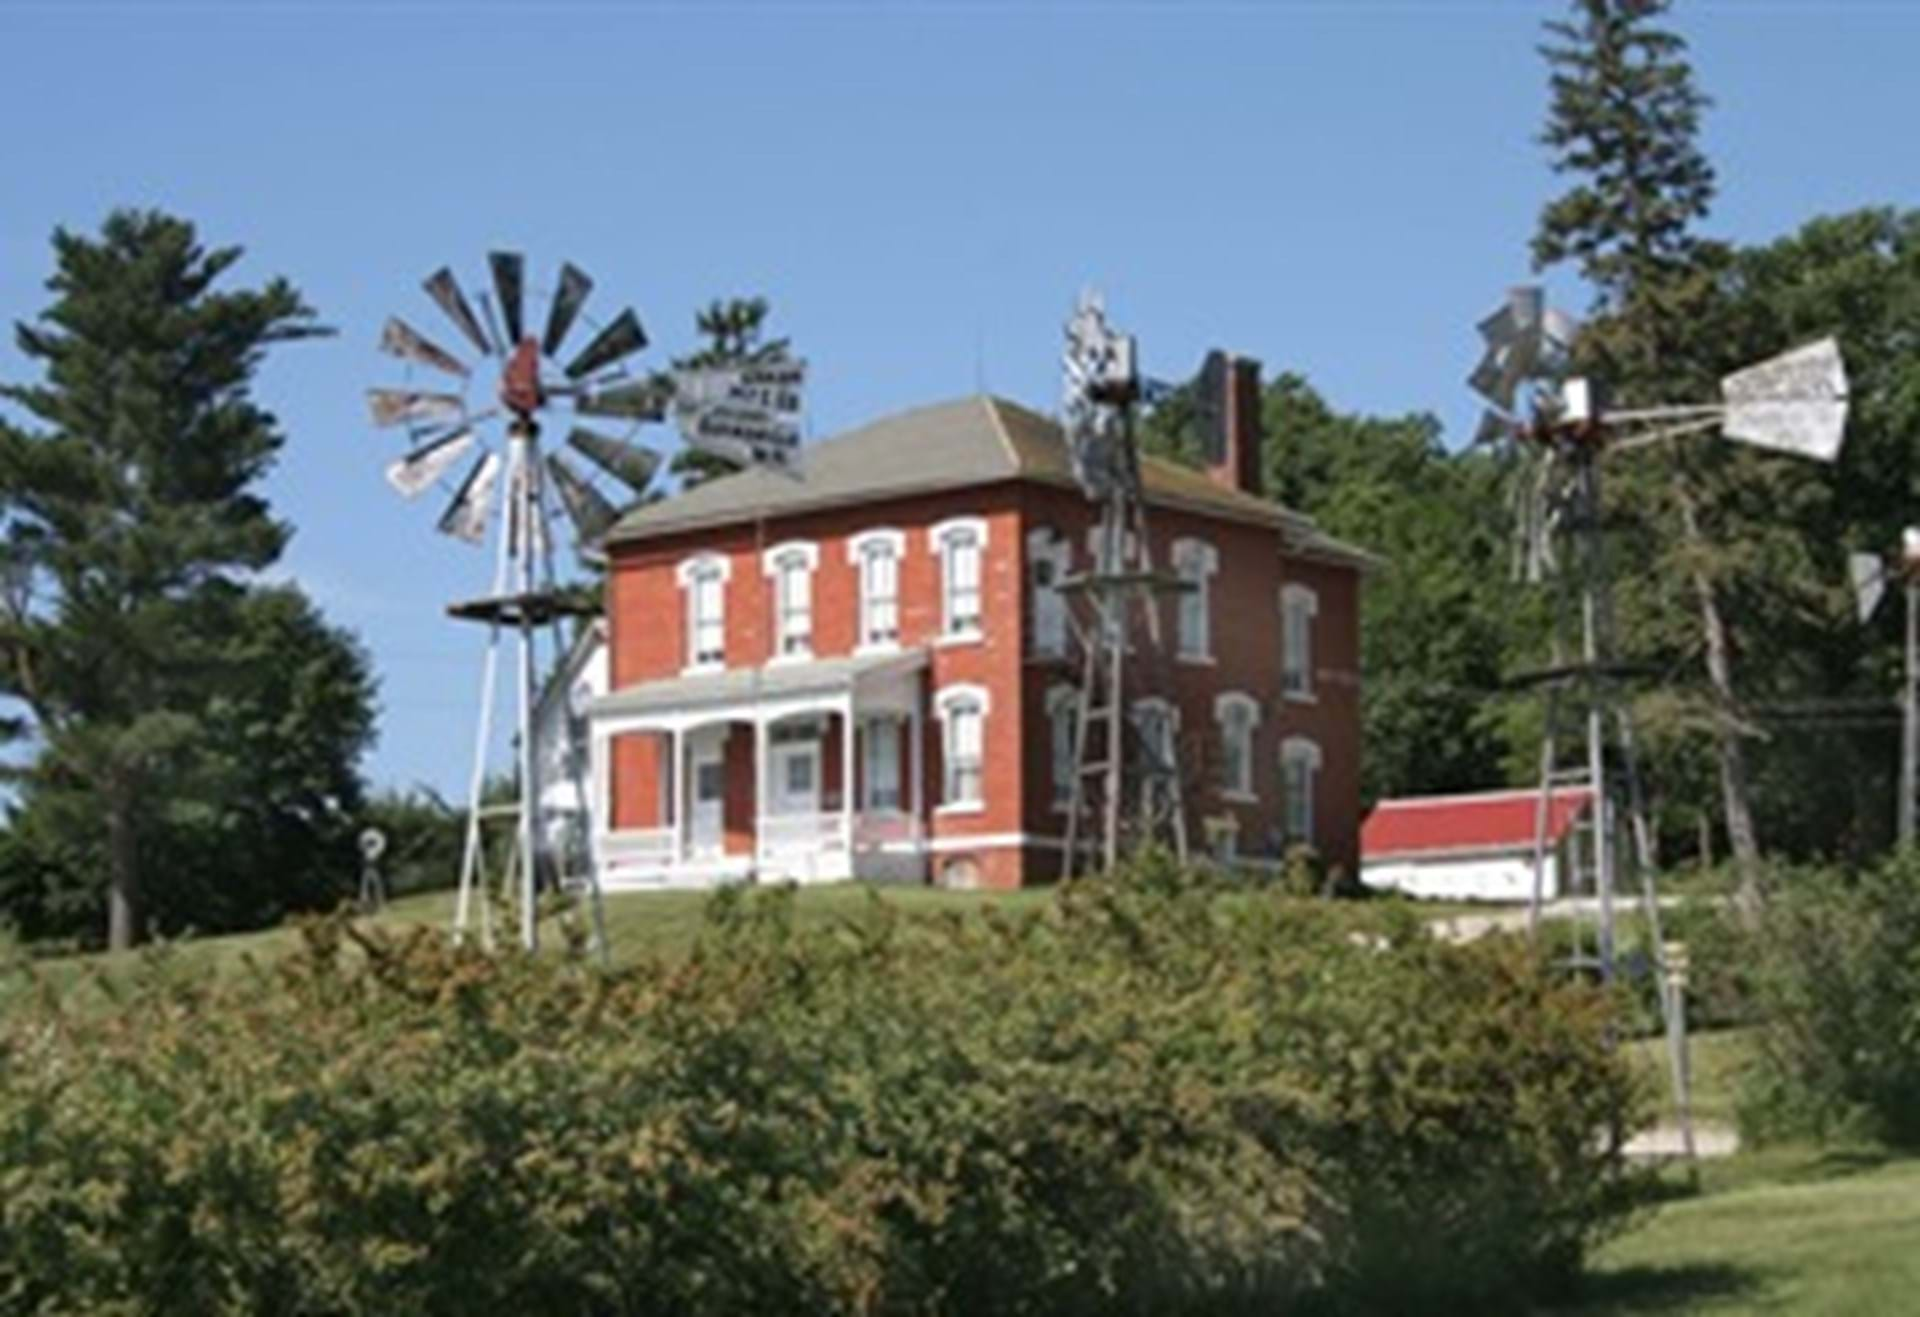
[
  {"x": 411, "y": 407},
  {"x": 1868, "y": 576},
  {"x": 639, "y": 400},
  {"x": 622, "y": 338},
  {"x": 1490, "y": 382},
  {"x": 444, "y": 289},
  {"x": 402, "y": 340},
  {"x": 1794, "y": 403},
  {"x": 420, "y": 469},
  {"x": 1493, "y": 428},
  {"x": 466, "y": 517},
  {"x": 631, "y": 464},
  {"x": 568, "y": 298},
  {"x": 587, "y": 508},
  {"x": 509, "y": 285}
]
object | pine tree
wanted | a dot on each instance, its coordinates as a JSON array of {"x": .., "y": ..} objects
[
  {"x": 129, "y": 519},
  {"x": 1623, "y": 119}
]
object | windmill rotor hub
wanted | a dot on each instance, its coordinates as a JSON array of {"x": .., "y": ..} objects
[{"x": 520, "y": 388}]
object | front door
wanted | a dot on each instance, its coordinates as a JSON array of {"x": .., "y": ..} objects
[
  {"x": 795, "y": 777},
  {"x": 706, "y": 812}
]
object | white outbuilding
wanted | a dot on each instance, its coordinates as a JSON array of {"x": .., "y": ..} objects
[{"x": 1475, "y": 847}]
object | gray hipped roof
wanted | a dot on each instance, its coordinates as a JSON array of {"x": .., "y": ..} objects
[{"x": 950, "y": 445}]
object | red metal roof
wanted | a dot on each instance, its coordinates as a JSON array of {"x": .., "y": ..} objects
[{"x": 1489, "y": 821}]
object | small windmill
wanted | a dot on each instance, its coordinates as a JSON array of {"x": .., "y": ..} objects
[
  {"x": 505, "y": 491},
  {"x": 1869, "y": 574},
  {"x": 1794, "y": 403},
  {"x": 1114, "y": 757}
]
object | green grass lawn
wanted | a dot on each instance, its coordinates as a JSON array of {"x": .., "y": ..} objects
[
  {"x": 1716, "y": 1058},
  {"x": 1791, "y": 1230}
]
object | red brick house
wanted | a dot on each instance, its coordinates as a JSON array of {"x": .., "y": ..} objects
[{"x": 869, "y": 672}]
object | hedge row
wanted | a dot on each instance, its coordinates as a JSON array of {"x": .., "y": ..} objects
[{"x": 1144, "y": 1098}]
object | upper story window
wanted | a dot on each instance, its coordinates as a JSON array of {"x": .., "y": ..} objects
[
  {"x": 963, "y": 718},
  {"x": 704, "y": 580},
  {"x": 1299, "y": 774},
  {"x": 1238, "y": 715},
  {"x": 1195, "y": 562},
  {"x": 960, "y": 545},
  {"x": 1063, "y": 705},
  {"x": 1049, "y": 559},
  {"x": 790, "y": 567},
  {"x": 1298, "y": 607},
  {"x": 876, "y": 555}
]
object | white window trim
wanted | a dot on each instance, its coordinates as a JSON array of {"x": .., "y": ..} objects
[
  {"x": 1195, "y": 559},
  {"x": 1304, "y": 598},
  {"x": 895, "y": 541},
  {"x": 684, "y": 575},
  {"x": 937, "y": 536},
  {"x": 1223, "y": 704},
  {"x": 770, "y": 568},
  {"x": 1062, "y": 701},
  {"x": 1301, "y": 750},
  {"x": 944, "y": 702},
  {"x": 1047, "y": 545}
]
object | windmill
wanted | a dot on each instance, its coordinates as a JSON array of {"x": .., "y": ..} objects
[
  {"x": 504, "y": 491},
  {"x": 1869, "y": 573},
  {"x": 1564, "y": 427},
  {"x": 1103, "y": 390}
]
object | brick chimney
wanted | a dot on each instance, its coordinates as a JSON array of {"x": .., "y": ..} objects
[{"x": 1228, "y": 406}]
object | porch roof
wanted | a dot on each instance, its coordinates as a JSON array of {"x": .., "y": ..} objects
[{"x": 778, "y": 681}]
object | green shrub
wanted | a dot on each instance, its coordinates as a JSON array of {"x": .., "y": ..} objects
[
  {"x": 1836, "y": 980},
  {"x": 1146, "y": 1097}
]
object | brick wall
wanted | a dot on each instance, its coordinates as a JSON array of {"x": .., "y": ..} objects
[{"x": 1018, "y": 827}]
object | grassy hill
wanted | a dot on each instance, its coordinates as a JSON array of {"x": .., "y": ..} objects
[{"x": 638, "y": 925}]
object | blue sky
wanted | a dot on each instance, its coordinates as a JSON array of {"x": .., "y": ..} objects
[{"x": 1338, "y": 189}]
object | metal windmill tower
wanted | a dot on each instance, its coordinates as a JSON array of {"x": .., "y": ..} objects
[
  {"x": 505, "y": 492},
  {"x": 1127, "y": 777},
  {"x": 1869, "y": 575},
  {"x": 1794, "y": 403}
]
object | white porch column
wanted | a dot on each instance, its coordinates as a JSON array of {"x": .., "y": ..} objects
[
  {"x": 679, "y": 795},
  {"x": 846, "y": 778},
  {"x": 599, "y": 801}
]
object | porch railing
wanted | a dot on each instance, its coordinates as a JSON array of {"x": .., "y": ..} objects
[
  {"x": 885, "y": 827},
  {"x": 802, "y": 832},
  {"x": 637, "y": 853}
]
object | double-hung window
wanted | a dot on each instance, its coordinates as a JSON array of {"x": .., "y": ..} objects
[
  {"x": 1298, "y": 607},
  {"x": 960, "y": 545},
  {"x": 875, "y": 555},
  {"x": 1238, "y": 715},
  {"x": 1299, "y": 769},
  {"x": 1195, "y": 562},
  {"x": 704, "y": 581},
  {"x": 1049, "y": 557},
  {"x": 1063, "y": 703},
  {"x": 790, "y": 567},
  {"x": 963, "y": 717}
]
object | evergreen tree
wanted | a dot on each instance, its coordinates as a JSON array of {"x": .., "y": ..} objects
[
  {"x": 1623, "y": 120},
  {"x": 129, "y": 518}
]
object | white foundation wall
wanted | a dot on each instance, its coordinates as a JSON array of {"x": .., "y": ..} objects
[{"x": 1507, "y": 878}]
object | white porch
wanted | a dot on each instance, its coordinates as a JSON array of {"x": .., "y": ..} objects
[{"x": 803, "y": 771}]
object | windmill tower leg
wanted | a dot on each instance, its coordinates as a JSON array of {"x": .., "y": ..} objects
[
  {"x": 522, "y": 435},
  {"x": 473, "y": 864}
]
